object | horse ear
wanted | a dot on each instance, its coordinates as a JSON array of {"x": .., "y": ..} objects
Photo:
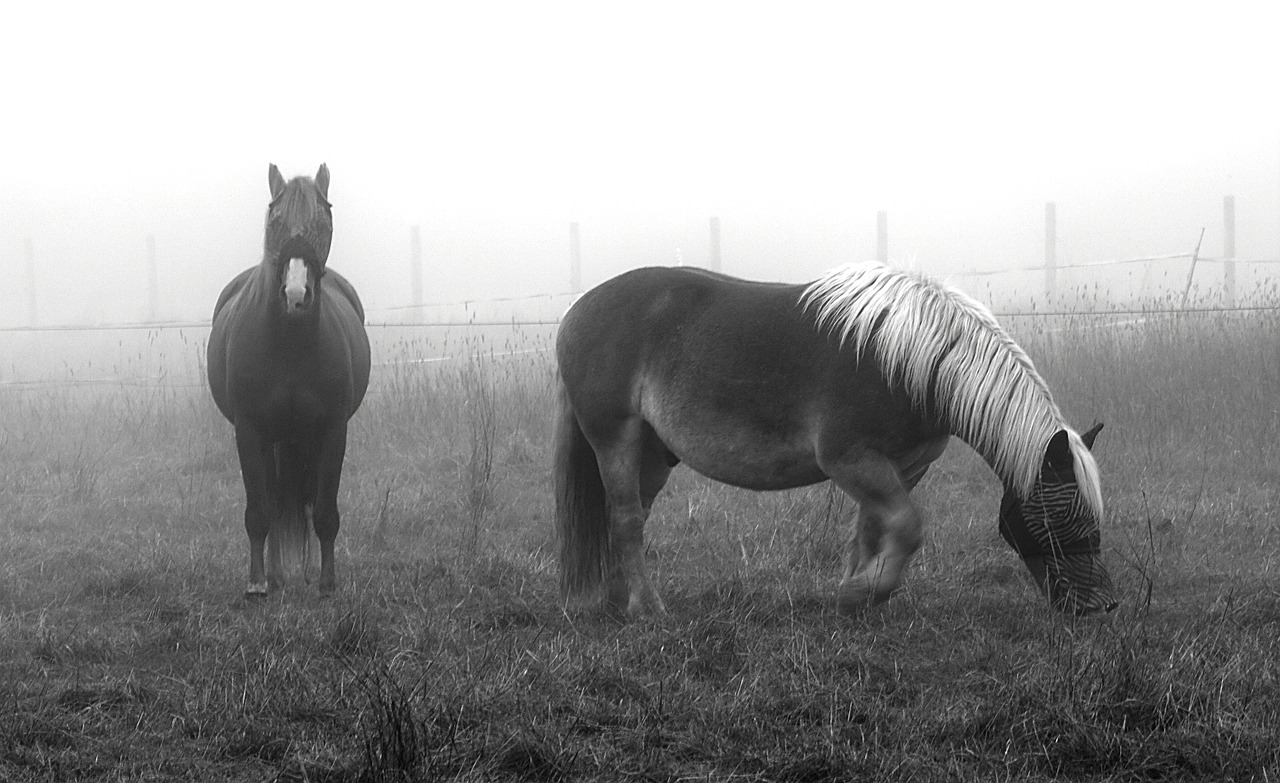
[
  {"x": 1057, "y": 456},
  {"x": 1089, "y": 436},
  {"x": 276, "y": 181},
  {"x": 322, "y": 180}
]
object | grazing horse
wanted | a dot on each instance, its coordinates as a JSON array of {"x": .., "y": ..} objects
[
  {"x": 288, "y": 366},
  {"x": 860, "y": 377}
]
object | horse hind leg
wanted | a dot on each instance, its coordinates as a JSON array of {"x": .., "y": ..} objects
[
  {"x": 634, "y": 470},
  {"x": 655, "y": 467},
  {"x": 889, "y": 529}
]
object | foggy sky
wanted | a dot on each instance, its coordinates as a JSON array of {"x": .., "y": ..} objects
[{"x": 492, "y": 126}]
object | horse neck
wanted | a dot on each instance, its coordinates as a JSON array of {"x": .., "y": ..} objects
[
  {"x": 1013, "y": 438},
  {"x": 998, "y": 404},
  {"x": 947, "y": 351}
]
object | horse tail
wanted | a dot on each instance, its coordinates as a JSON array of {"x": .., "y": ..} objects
[
  {"x": 582, "y": 510},
  {"x": 291, "y": 528}
]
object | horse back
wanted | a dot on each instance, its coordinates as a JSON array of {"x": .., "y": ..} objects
[{"x": 680, "y": 328}]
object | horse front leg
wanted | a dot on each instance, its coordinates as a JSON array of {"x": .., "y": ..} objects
[
  {"x": 323, "y": 487},
  {"x": 889, "y": 528},
  {"x": 257, "y": 471}
]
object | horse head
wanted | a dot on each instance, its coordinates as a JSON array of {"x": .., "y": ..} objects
[
  {"x": 299, "y": 232},
  {"x": 1057, "y": 532}
]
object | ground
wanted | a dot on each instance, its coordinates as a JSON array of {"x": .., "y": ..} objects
[{"x": 127, "y": 650}]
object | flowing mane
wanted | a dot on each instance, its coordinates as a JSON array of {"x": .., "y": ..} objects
[{"x": 942, "y": 346}]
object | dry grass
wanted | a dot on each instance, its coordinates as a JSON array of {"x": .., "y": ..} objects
[{"x": 127, "y": 652}]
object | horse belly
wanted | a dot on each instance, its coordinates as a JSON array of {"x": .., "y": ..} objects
[
  {"x": 289, "y": 412},
  {"x": 747, "y": 468},
  {"x": 739, "y": 452}
]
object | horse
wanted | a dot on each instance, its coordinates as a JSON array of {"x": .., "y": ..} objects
[
  {"x": 288, "y": 365},
  {"x": 860, "y": 377}
]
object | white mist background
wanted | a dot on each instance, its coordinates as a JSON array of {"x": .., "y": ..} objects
[{"x": 492, "y": 126}]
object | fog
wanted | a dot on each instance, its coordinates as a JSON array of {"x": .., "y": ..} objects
[{"x": 492, "y": 127}]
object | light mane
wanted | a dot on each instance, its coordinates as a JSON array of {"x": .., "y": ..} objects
[{"x": 941, "y": 345}]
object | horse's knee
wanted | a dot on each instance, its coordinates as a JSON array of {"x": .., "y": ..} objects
[
  {"x": 906, "y": 528},
  {"x": 896, "y": 524},
  {"x": 900, "y": 526},
  {"x": 628, "y": 533}
]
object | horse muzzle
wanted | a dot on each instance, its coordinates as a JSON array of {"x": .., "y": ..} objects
[
  {"x": 1076, "y": 584},
  {"x": 297, "y": 288}
]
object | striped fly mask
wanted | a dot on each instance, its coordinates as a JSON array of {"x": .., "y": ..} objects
[{"x": 1057, "y": 533}]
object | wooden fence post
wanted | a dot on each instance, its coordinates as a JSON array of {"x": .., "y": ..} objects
[
  {"x": 575, "y": 259},
  {"x": 31, "y": 283},
  {"x": 415, "y": 269},
  {"x": 882, "y": 237},
  {"x": 153, "y": 281},
  {"x": 715, "y": 244},
  {"x": 1229, "y": 250},
  {"x": 1050, "y": 249}
]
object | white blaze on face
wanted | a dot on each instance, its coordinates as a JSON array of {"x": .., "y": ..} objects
[{"x": 295, "y": 284}]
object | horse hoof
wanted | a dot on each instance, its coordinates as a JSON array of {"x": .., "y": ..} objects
[
  {"x": 255, "y": 592},
  {"x": 654, "y": 608},
  {"x": 855, "y": 600}
]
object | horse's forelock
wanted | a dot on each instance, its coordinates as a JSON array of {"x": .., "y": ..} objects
[
  {"x": 1088, "y": 478},
  {"x": 302, "y": 197},
  {"x": 300, "y": 207}
]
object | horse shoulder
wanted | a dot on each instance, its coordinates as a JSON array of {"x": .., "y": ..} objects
[
  {"x": 346, "y": 291},
  {"x": 232, "y": 289},
  {"x": 349, "y": 321}
]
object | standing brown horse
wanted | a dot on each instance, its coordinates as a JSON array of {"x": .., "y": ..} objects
[
  {"x": 860, "y": 378},
  {"x": 288, "y": 366}
]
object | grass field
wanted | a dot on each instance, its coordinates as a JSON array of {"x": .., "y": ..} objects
[{"x": 128, "y": 653}]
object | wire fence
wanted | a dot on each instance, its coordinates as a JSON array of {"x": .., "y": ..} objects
[
  {"x": 518, "y": 322},
  {"x": 86, "y": 356}
]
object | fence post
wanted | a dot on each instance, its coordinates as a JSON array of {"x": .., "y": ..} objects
[
  {"x": 882, "y": 237},
  {"x": 415, "y": 269},
  {"x": 31, "y": 282},
  {"x": 1050, "y": 249},
  {"x": 715, "y": 244},
  {"x": 153, "y": 281},
  {"x": 575, "y": 259},
  {"x": 1229, "y": 250}
]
